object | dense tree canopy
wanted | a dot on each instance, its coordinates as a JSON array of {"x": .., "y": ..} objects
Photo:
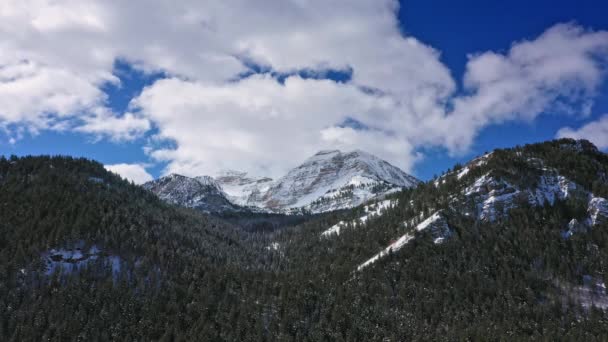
[{"x": 186, "y": 276}]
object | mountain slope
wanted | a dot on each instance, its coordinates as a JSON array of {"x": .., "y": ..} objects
[
  {"x": 201, "y": 193},
  {"x": 332, "y": 180},
  {"x": 328, "y": 181},
  {"x": 516, "y": 246},
  {"x": 242, "y": 189},
  {"x": 434, "y": 262},
  {"x": 90, "y": 256},
  {"x": 488, "y": 188}
]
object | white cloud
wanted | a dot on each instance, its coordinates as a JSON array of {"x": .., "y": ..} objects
[
  {"x": 263, "y": 126},
  {"x": 595, "y": 131},
  {"x": 104, "y": 123},
  {"x": 559, "y": 71},
  {"x": 133, "y": 172},
  {"x": 39, "y": 95},
  {"x": 56, "y": 55}
]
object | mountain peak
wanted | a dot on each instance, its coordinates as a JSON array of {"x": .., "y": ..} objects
[
  {"x": 332, "y": 179},
  {"x": 357, "y": 153},
  {"x": 328, "y": 180},
  {"x": 326, "y": 152},
  {"x": 581, "y": 145}
]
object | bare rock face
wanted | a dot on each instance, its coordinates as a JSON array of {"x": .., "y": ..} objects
[{"x": 201, "y": 193}]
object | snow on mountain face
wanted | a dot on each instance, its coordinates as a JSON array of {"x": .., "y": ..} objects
[
  {"x": 597, "y": 210},
  {"x": 493, "y": 192},
  {"x": 329, "y": 180},
  {"x": 494, "y": 196},
  {"x": 202, "y": 193},
  {"x": 332, "y": 180},
  {"x": 243, "y": 189}
]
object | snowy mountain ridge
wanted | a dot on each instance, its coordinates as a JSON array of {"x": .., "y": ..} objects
[
  {"x": 333, "y": 180},
  {"x": 201, "y": 193},
  {"x": 243, "y": 189},
  {"x": 329, "y": 180}
]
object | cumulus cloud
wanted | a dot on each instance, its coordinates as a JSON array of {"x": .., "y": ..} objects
[
  {"x": 104, "y": 123},
  {"x": 559, "y": 71},
  {"x": 594, "y": 131},
  {"x": 55, "y": 57},
  {"x": 258, "y": 123},
  {"x": 39, "y": 95},
  {"x": 133, "y": 172},
  {"x": 262, "y": 125}
]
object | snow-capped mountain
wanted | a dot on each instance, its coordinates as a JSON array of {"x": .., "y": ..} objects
[
  {"x": 332, "y": 180},
  {"x": 243, "y": 189},
  {"x": 329, "y": 180},
  {"x": 201, "y": 193}
]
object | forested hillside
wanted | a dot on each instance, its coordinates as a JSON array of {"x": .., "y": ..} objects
[
  {"x": 513, "y": 246},
  {"x": 166, "y": 255}
]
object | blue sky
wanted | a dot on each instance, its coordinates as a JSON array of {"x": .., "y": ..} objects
[
  {"x": 151, "y": 140},
  {"x": 477, "y": 25}
]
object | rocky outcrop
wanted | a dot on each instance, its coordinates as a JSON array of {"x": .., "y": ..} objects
[{"x": 201, "y": 193}]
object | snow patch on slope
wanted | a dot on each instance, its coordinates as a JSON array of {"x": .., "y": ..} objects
[
  {"x": 393, "y": 247},
  {"x": 436, "y": 223},
  {"x": 598, "y": 210},
  {"x": 371, "y": 210},
  {"x": 430, "y": 220},
  {"x": 68, "y": 261},
  {"x": 495, "y": 196},
  {"x": 463, "y": 172}
]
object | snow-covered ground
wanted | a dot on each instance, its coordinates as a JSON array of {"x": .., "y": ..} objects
[
  {"x": 393, "y": 247},
  {"x": 591, "y": 294},
  {"x": 495, "y": 196},
  {"x": 436, "y": 222},
  {"x": 477, "y": 162},
  {"x": 598, "y": 210},
  {"x": 68, "y": 261},
  {"x": 371, "y": 210},
  {"x": 463, "y": 172},
  {"x": 430, "y": 220},
  {"x": 273, "y": 246}
]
